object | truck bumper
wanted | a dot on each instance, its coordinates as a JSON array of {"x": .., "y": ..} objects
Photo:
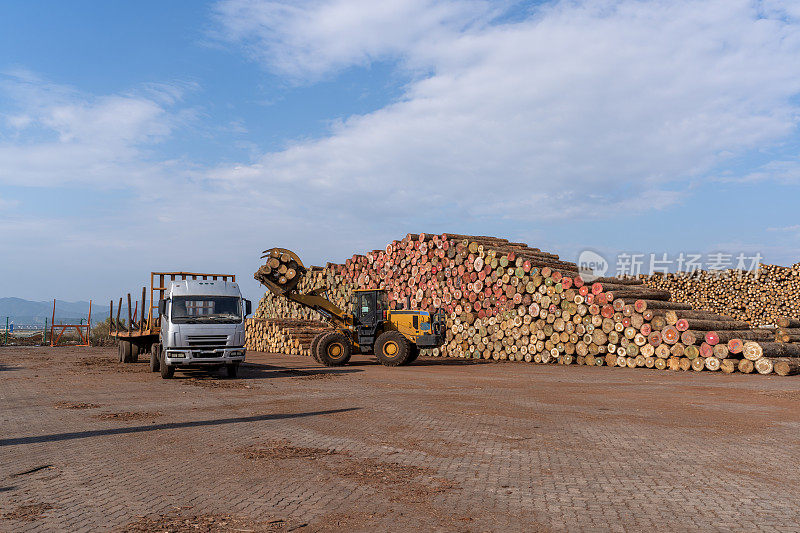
[{"x": 194, "y": 357}]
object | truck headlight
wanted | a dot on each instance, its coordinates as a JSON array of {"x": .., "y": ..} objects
[
  {"x": 236, "y": 353},
  {"x": 176, "y": 355}
]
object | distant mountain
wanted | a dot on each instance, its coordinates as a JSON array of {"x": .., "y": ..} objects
[{"x": 26, "y": 312}]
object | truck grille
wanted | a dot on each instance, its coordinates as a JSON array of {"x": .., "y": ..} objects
[{"x": 211, "y": 341}]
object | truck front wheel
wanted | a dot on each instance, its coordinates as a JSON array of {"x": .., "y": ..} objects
[
  {"x": 167, "y": 371},
  {"x": 232, "y": 370}
]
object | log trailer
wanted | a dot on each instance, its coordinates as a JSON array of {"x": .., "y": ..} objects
[
  {"x": 194, "y": 320},
  {"x": 394, "y": 336}
]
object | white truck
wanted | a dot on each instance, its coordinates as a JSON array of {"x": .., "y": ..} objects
[
  {"x": 202, "y": 325},
  {"x": 198, "y": 322}
]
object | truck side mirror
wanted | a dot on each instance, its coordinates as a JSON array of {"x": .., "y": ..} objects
[
  {"x": 162, "y": 307},
  {"x": 248, "y": 307}
]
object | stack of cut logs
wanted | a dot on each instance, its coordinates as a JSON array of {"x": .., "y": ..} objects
[
  {"x": 281, "y": 269},
  {"x": 508, "y": 301},
  {"x": 758, "y": 298},
  {"x": 282, "y": 335}
]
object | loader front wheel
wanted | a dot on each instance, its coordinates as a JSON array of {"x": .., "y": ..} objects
[
  {"x": 333, "y": 350},
  {"x": 392, "y": 349}
]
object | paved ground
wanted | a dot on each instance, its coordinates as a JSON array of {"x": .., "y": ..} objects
[{"x": 88, "y": 444}]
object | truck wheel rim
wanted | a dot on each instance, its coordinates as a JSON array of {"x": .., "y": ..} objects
[
  {"x": 390, "y": 348},
  {"x": 335, "y": 350}
]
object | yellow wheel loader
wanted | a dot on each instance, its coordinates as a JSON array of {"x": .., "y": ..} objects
[{"x": 394, "y": 336}]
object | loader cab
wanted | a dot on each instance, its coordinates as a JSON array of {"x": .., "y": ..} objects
[{"x": 369, "y": 306}]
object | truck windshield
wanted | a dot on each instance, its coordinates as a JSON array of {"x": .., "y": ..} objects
[{"x": 206, "y": 309}]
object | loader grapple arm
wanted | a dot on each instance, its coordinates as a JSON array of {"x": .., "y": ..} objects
[{"x": 283, "y": 272}]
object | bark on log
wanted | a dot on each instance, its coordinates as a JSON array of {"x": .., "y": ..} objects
[
  {"x": 745, "y": 334},
  {"x": 715, "y": 325},
  {"x": 786, "y": 366},
  {"x": 644, "y": 303},
  {"x": 788, "y": 322},
  {"x": 778, "y": 349}
]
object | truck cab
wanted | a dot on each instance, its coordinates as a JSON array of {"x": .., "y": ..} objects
[{"x": 202, "y": 326}]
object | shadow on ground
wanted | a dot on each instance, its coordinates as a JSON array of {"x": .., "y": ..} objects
[
  {"x": 6, "y": 367},
  {"x": 170, "y": 425},
  {"x": 433, "y": 361},
  {"x": 261, "y": 371}
]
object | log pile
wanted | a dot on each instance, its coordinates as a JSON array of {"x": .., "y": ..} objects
[
  {"x": 287, "y": 336},
  {"x": 508, "y": 301},
  {"x": 759, "y": 299},
  {"x": 281, "y": 269}
]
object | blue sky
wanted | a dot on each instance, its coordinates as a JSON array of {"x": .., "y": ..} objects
[{"x": 139, "y": 136}]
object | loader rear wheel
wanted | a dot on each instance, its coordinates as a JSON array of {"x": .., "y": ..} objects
[
  {"x": 314, "y": 344},
  {"x": 392, "y": 349},
  {"x": 155, "y": 357},
  {"x": 333, "y": 350}
]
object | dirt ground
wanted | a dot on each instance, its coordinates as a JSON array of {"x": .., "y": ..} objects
[{"x": 89, "y": 444}]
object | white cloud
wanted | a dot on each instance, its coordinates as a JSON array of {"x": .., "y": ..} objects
[
  {"x": 580, "y": 109},
  {"x": 59, "y": 135},
  {"x": 305, "y": 40},
  {"x": 781, "y": 171},
  {"x": 7, "y": 204},
  {"x": 793, "y": 228}
]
